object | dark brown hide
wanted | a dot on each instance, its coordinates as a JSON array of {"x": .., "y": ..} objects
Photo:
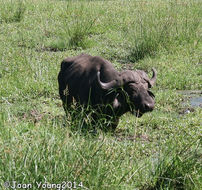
[{"x": 93, "y": 80}]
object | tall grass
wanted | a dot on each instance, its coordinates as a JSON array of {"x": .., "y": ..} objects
[
  {"x": 36, "y": 153},
  {"x": 77, "y": 25},
  {"x": 163, "y": 27},
  {"x": 12, "y": 11},
  {"x": 175, "y": 169}
]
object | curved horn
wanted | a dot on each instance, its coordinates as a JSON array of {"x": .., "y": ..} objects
[
  {"x": 108, "y": 85},
  {"x": 153, "y": 79}
]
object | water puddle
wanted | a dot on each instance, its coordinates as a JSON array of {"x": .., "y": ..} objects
[
  {"x": 192, "y": 100},
  {"x": 194, "y": 97},
  {"x": 196, "y": 101}
]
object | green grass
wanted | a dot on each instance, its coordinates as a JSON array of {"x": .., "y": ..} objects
[
  {"x": 11, "y": 11},
  {"x": 77, "y": 25},
  {"x": 161, "y": 150}
]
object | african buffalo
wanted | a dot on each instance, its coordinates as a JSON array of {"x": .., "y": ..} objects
[{"x": 92, "y": 80}]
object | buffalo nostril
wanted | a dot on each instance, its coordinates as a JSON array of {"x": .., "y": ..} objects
[{"x": 149, "y": 107}]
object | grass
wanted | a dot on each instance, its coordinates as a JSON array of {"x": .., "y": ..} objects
[
  {"x": 12, "y": 11},
  {"x": 172, "y": 169},
  {"x": 163, "y": 27},
  {"x": 161, "y": 150},
  {"x": 78, "y": 23}
]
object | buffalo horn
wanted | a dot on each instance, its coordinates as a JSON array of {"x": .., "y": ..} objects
[
  {"x": 107, "y": 85},
  {"x": 153, "y": 79}
]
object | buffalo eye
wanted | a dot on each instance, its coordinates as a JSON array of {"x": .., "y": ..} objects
[{"x": 132, "y": 88}]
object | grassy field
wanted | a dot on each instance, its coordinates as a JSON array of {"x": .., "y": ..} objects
[{"x": 41, "y": 149}]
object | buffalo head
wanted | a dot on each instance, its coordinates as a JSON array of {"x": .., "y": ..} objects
[{"x": 134, "y": 93}]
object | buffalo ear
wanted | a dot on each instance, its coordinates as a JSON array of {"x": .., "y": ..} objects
[
  {"x": 116, "y": 103},
  {"x": 107, "y": 85}
]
